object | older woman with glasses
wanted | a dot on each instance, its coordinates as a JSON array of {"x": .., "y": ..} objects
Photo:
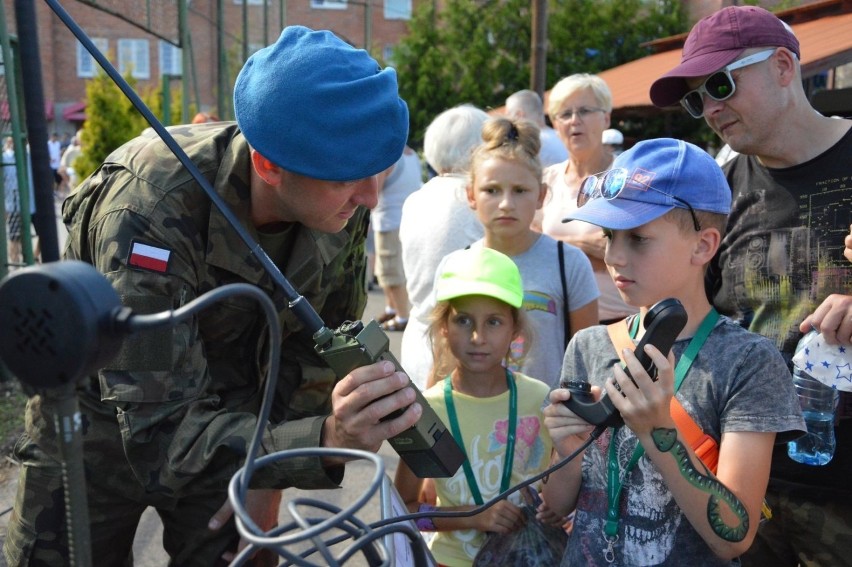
[{"x": 579, "y": 107}]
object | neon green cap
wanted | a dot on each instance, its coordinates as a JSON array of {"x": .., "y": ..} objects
[{"x": 480, "y": 271}]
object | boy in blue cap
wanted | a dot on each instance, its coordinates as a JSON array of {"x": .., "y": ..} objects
[
  {"x": 640, "y": 494},
  {"x": 169, "y": 422}
]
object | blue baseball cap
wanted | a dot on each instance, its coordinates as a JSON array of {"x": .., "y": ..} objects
[
  {"x": 316, "y": 106},
  {"x": 651, "y": 179}
]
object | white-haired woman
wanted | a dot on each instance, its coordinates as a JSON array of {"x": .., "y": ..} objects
[{"x": 579, "y": 107}]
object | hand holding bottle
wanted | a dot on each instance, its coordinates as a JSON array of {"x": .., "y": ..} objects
[{"x": 818, "y": 401}]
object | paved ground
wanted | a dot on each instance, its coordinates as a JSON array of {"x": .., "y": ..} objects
[{"x": 147, "y": 547}]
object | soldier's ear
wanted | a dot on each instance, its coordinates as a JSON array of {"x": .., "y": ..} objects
[{"x": 265, "y": 169}]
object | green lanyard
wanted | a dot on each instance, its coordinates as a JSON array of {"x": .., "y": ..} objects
[
  {"x": 614, "y": 479},
  {"x": 509, "y": 457}
]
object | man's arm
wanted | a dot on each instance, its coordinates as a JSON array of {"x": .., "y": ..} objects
[{"x": 833, "y": 318}]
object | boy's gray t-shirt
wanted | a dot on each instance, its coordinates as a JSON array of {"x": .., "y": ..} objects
[{"x": 749, "y": 389}]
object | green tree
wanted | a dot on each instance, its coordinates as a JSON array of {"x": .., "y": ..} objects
[
  {"x": 589, "y": 36},
  {"x": 153, "y": 99},
  {"x": 613, "y": 33},
  {"x": 471, "y": 51},
  {"x": 478, "y": 51},
  {"x": 423, "y": 79},
  {"x": 111, "y": 120}
]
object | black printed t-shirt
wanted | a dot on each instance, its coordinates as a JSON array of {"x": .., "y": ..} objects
[{"x": 781, "y": 257}]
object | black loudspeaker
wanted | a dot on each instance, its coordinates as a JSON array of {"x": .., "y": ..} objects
[{"x": 58, "y": 323}]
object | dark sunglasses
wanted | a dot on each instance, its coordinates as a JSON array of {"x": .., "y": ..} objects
[
  {"x": 610, "y": 184},
  {"x": 720, "y": 85}
]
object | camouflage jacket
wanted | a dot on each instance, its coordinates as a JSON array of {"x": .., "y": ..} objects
[{"x": 186, "y": 398}]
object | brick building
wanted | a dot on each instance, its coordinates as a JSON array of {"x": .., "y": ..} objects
[
  {"x": 149, "y": 54},
  {"x": 66, "y": 65}
]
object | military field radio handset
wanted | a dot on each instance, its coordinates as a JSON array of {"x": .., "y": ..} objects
[
  {"x": 427, "y": 448},
  {"x": 663, "y": 322}
]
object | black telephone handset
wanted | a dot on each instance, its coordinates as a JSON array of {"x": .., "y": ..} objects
[{"x": 663, "y": 322}]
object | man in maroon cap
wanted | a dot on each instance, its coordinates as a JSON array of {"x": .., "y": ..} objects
[{"x": 780, "y": 269}]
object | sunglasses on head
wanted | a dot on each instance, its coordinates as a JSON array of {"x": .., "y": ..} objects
[
  {"x": 720, "y": 85},
  {"x": 610, "y": 184}
]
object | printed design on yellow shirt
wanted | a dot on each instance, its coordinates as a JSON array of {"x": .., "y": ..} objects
[{"x": 529, "y": 448}]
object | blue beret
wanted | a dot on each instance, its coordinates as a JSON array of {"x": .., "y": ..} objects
[{"x": 316, "y": 106}]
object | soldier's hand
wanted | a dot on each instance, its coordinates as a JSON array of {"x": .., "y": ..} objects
[{"x": 359, "y": 402}]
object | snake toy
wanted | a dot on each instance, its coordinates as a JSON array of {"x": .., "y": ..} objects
[{"x": 666, "y": 441}]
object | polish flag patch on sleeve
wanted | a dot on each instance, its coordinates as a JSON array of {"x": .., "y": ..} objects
[{"x": 149, "y": 257}]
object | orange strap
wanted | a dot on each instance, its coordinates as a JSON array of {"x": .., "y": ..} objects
[{"x": 705, "y": 447}]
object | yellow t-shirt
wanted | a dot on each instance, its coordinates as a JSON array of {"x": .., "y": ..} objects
[{"x": 483, "y": 423}]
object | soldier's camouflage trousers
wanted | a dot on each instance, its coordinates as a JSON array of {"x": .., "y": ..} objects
[{"x": 36, "y": 533}]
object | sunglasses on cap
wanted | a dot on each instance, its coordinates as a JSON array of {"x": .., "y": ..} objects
[
  {"x": 610, "y": 184},
  {"x": 720, "y": 85}
]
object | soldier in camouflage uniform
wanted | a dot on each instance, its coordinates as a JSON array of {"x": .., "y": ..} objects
[{"x": 168, "y": 422}]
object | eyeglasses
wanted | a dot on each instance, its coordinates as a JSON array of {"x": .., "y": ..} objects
[
  {"x": 720, "y": 85},
  {"x": 582, "y": 113},
  {"x": 610, "y": 184}
]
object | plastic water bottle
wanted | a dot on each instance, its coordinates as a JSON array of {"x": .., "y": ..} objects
[{"x": 819, "y": 405}]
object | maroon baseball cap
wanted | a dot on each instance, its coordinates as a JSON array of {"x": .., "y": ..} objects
[{"x": 717, "y": 40}]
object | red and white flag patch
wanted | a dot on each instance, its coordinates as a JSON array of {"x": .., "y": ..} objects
[{"x": 149, "y": 257}]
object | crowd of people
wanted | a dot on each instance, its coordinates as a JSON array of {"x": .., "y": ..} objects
[
  {"x": 12, "y": 205},
  {"x": 15, "y": 170},
  {"x": 531, "y": 259}
]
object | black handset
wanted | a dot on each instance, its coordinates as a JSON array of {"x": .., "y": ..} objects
[{"x": 663, "y": 322}]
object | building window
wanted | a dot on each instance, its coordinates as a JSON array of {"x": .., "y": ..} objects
[
  {"x": 250, "y": 2},
  {"x": 387, "y": 55},
  {"x": 397, "y": 9},
  {"x": 843, "y": 76},
  {"x": 329, "y": 4},
  {"x": 133, "y": 56},
  {"x": 171, "y": 62},
  {"x": 86, "y": 64}
]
